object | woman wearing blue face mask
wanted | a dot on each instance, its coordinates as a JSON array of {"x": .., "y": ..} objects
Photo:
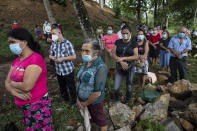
[
  {"x": 143, "y": 48},
  {"x": 165, "y": 52},
  {"x": 154, "y": 46},
  {"x": 27, "y": 81},
  {"x": 109, "y": 40},
  {"x": 91, "y": 83}
]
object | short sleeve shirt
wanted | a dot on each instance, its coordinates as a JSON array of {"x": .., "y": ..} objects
[
  {"x": 154, "y": 39},
  {"x": 17, "y": 74},
  {"x": 165, "y": 42},
  {"x": 121, "y": 46},
  {"x": 110, "y": 40}
]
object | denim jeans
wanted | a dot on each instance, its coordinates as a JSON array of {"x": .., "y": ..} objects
[{"x": 118, "y": 81}]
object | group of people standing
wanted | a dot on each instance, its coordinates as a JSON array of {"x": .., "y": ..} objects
[{"x": 123, "y": 57}]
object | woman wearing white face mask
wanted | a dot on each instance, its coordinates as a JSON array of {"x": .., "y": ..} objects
[
  {"x": 142, "y": 67},
  {"x": 125, "y": 52},
  {"x": 109, "y": 40}
]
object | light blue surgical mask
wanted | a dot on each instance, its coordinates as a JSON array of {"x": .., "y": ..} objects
[
  {"x": 181, "y": 35},
  {"x": 151, "y": 32},
  {"x": 109, "y": 32},
  {"x": 164, "y": 35},
  {"x": 87, "y": 58},
  {"x": 15, "y": 49},
  {"x": 154, "y": 32},
  {"x": 140, "y": 37}
]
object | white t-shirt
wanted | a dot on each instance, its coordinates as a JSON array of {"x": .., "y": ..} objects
[{"x": 119, "y": 34}]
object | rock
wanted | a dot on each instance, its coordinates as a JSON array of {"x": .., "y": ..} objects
[
  {"x": 173, "y": 99},
  {"x": 180, "y": 89},
  {"x": 137, "y": 109},
  {"x": 125, "y": 128},
  {"x": 162, "y": 78},
  {"x": 151, "y": 87},
  {"x": 186, "y": 125},
  {"x": 158, "y": 109},
  {"x": 163, "y": 88},
  {"x": 139, "y": 99},
  {"x": 177, "y": 105},
  {"x": 170, "y": 125},
  {"x": 193, "y": 107},
  {"x": 164, "y": 73},
  {"x": 80, "y": 128},
  {"x": 194, "y": 89},
  {"x": 189, "y": 116},
  {"x": 121, "y": 115},
  {"x": 69, "y": 127}
]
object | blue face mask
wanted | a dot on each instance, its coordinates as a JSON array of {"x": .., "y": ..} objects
[
  {"x": 155, "y": 32},
  {"x": 151, "y": 32},
  {"x": 140, "y": 37},
  {"x": 15, "y": 49},
  {"x": 109, "y": 32},
  {"x": 87, "y": 58},
  {"x": 181, "y": 35},
  {"x": 164, "y": 35}
]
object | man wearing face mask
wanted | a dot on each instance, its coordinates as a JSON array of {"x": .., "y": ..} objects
[
  {"x": 62, "y": 53},
  {"x": 91, "y": 83},
  {"x": 179, "y": 46}
]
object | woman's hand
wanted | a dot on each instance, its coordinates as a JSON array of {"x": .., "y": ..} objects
[
  {"x": 24, "y": 96},
  {"x": 124, "y": 65},
  {"x": 79, "y": 104},
  {"x": 119, "y": 59},
  {"x": 167, "y": 50}
]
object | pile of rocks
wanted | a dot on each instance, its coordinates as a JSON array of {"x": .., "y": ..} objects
[{"x": 175, "y": 109}]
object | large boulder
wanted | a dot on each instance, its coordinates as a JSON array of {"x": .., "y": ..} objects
[
  {"x": 194, "y": 89},
  {"x": 170, "y": 125},
  {"x": 121, "y": 115},
  {"x": 180, "y": 89},
  {"x": 162, "y": 78},
  {"x": 186, "y": 125},
  {"x": 151, "y": 87},
  {"x": 138, "y": 109},
  {"x": 158, "y": 109}
]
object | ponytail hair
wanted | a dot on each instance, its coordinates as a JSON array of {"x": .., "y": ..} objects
[{"x": 23, "y": 34}]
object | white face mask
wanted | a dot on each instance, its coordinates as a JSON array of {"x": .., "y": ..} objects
[
  {"x": 126, "y": 37},
  {"x": 55, "y": 38}
]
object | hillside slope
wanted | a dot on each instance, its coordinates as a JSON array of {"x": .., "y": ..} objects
[{"x": 28, "y": 13}]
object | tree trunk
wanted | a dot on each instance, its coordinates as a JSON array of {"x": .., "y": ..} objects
[
  {"x": 139, "y": 5},
  {"x": 49, "y": 11},
  {"x": 101, "y": 3},
  {"x": 166, "y": 12},
  {"x": 146, "y": 14},
  {"x": 195, "y": 18},
  {"x": 155, "y": 13},
  {"x": 83, "y": 18}
]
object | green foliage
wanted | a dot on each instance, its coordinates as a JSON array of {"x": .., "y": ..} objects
[{"x": 150, "y": 125}]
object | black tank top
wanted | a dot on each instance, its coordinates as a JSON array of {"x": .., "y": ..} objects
[{"x": 141, "y": 48}]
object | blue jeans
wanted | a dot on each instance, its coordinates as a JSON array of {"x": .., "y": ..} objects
[{"x": 118, "y": 81}]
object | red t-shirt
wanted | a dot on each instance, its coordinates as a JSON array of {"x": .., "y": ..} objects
[
  {"x": 154, "y": 39},
  {"x": 15, "y": 26}
]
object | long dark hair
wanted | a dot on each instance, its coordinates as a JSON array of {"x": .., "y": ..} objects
[{"x": 23, "y": 34}]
